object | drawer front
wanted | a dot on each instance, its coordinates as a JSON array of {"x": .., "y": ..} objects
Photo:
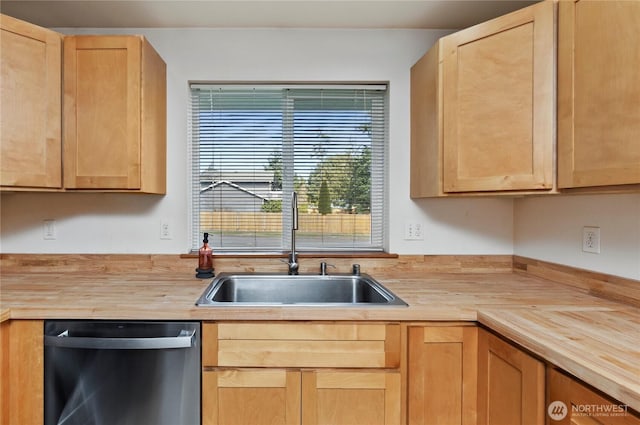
[{"x": 354, "y": 345}]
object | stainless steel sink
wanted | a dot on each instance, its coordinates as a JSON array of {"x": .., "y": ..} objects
[{"x": 250, "y": 289}]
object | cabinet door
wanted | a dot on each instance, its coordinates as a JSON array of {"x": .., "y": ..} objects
[
  {"x": 598, "y": 93},
  {"x": 247, "y": 396},
  {"x": 30, "y": 63},
  {"x": 351, "y": 397},
  {"x": 510, "y": 384},
  {"x": 567, "y": 395},
  {"x": 442, "y": 373},
  {"x": 102, "y": 76},
  {"x": 22, "y": 372},
  {"x": 498, "y": 102}
]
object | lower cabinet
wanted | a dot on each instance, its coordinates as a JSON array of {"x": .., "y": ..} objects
[
  {"x": 511, "y": 384},
  {"x": 572, "y": 403},
  {"x": 347, "y": 373},
  {"x": 301, "y": 373},
  {"x": 251, "y": 396},
  {"x": 442, "y": 371},
  {"x": 351, "y": 397},
  {"x": 22, "y": 372},
  {"x": 280, "y": 396},
  {"x": 466, "y": 375}
]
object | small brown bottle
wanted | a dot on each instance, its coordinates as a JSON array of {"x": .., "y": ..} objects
[{"x": 205, "y": 259}]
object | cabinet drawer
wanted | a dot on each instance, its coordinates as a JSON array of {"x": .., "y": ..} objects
[{"x": 279, "y": 344}]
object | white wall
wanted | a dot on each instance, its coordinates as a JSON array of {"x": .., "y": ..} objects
[
  {"x": 547, "y": 228},
  {"x": 550, "y": 228},
  {"x": 117, "y": 223}
]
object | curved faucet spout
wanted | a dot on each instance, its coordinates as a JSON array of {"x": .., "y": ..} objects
[{"x": 293, "y": 257}]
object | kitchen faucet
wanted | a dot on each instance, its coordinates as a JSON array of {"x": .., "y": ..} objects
[{"x": 293, "y": 258}]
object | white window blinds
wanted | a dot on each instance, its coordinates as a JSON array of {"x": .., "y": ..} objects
[{"x": 251, "y": 146}]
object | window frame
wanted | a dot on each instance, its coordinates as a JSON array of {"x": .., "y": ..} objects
[{"x": 381, "y": 224}]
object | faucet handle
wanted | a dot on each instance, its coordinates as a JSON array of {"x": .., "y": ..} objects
[{"x": 323, "y": 268}]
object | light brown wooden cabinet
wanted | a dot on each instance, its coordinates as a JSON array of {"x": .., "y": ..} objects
[
  {"x": 30, "y": 100},
  {"x": 113, "y": 111},
  {"x": 484, "y": 103},
  {"x": 511, "y": 384},
  {"x": 482, "y": 108},
  {"x": 598, "y": 93},
  {"x": 21, "y": 372},
  {"x": 362, "y": 378},
  {"x": 251, "y": 396},
  {"x": 442, "y": 371},
  {"x": 309, "y": 373},
  {"x": 114, "y": 114},
  {"x": 573, "y": 403},
  {"x": 351, "y": 397}
]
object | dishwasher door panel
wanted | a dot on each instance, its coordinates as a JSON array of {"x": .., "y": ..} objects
[{"x": 131, "y": 378}]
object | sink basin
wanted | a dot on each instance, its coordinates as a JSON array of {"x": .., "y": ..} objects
[{"x": 250, "y": 289}]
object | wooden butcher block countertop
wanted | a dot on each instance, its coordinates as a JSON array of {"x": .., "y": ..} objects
[
  {"x": 449, "y": 297},
  {"x": 595, "y": 339},
  {"x": 601, "y": 347}
]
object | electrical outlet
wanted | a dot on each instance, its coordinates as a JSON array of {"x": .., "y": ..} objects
[
  {"x": 591, "y": 239},
  {"x": 413, "y": 231},
  {"x": 49, "y": 229},
  {"x": 165, "y": 229}
]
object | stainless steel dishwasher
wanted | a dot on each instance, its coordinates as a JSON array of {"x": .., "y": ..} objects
[{"x": 125, "y": 373}]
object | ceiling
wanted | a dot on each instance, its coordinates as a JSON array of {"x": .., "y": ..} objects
[{"x": 436, "y": 14}]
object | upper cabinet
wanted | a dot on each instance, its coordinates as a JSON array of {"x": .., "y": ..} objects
[
  {"x": 482, "y": 108},
  {"x": 114, "y": 114},
  {"x": 488, "y": 103},
  {"x": 30, "y": 60},
  {"x": 108, "y": 132},
  {"x": 498, "y": 103},
  {"x": 598, "y": 93}
]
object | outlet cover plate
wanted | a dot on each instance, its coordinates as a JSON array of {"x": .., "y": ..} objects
[
  {"x": 413, "y": 231},
  {"x": 591, "y": 239}
]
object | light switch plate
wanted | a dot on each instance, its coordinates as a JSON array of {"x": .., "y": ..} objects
[
  {"x": 165, "y": 229},
  {"x": 49, "y": 231}
]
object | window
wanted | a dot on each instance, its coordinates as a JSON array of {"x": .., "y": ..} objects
[{"x": 253, "y": 145}]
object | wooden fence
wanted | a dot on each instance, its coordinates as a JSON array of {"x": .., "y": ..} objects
[{"x": 272, "y": 222}]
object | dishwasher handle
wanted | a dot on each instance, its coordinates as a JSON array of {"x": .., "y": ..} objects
[{"x": 185, "y": 339}]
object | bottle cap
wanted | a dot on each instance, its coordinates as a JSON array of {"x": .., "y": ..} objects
[{"x": 206, "y": 238}]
